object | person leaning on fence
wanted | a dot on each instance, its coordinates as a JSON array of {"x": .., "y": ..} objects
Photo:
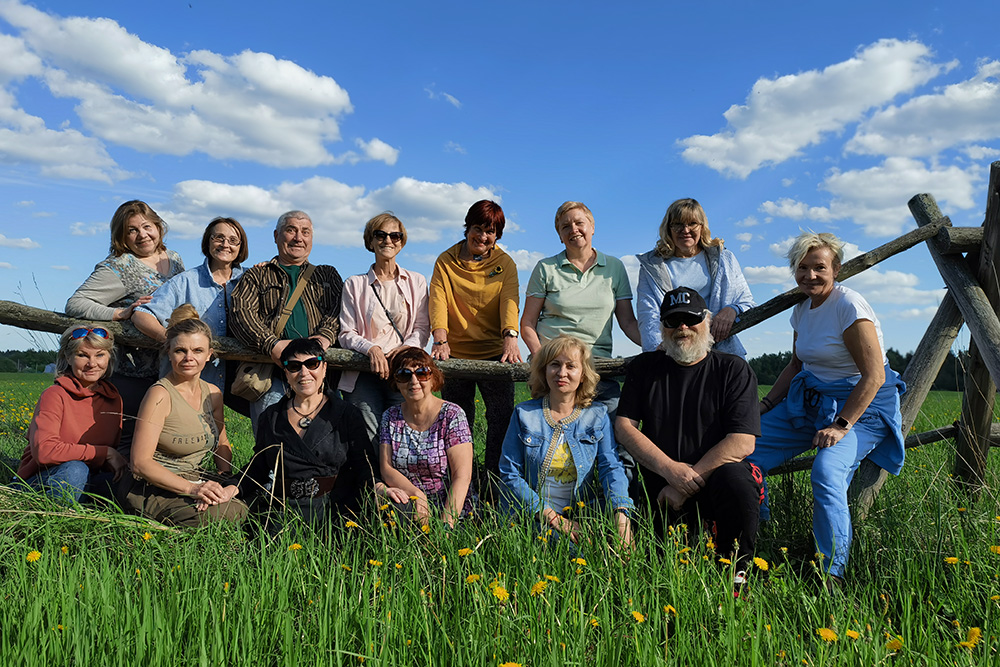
[
  {"x": 837, "y": 394},
  {"x": 313, "y": 457},
  {"x": 77, "y": 421},
  {"x": 209, "y": 288},
  {"x": 473, "y": 313},
  {"x": 699, "y": 416},
  {"x": 136, "y": 266},
  {"x": 560, "y": 451},
  {"x": 382, "y": 311},
  {"x": 181, "y": 426},
  {"x": 264, "y": 291}
]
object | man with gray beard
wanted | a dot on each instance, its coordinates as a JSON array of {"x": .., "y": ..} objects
[{"x": 689, "y": 415}]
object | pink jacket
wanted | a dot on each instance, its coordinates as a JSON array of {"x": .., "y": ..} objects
[
  {"x": 72, "y": 423},
  {"x": 358, "y": 304}
]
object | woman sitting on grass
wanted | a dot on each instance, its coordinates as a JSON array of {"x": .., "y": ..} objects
[
  {"x": 180, "y": 424},
  {"x": 425, "y": 451},
  {"x": 560, "y": 443},
  {"x": 313, "y": 456},
  {"x": 77, "y": 421}
]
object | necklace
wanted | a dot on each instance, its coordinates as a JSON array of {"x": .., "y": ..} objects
[{"x": 306, "y": 418}]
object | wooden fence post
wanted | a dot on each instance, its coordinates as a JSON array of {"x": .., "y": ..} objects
[{"x": 980, "y": 389}]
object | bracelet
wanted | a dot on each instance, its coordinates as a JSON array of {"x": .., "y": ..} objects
[{"x": 440, "y": 342}]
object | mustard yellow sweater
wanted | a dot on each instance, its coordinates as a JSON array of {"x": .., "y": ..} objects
[{"x": 474, "y": 302}]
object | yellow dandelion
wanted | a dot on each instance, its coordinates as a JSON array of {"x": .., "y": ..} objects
[
  {"x": 710, "y": 543},
  {"x": 384, "y": 507},
  {"x": 971, "y": 638},
  {"x": 669, "y": 609},
  {"x": 594, "y": 623},
  {"x": 147, "y": 536},
  {"x": 552, "y": 577},
  {"x": 951, "y": 560},
  {"x": 399, "y": 566},
  {"x": 995, "y": 549},
  {"x": 639, "y": 618},
  {"x": 64, "y": 549},
  {"x": 579, "y": 561},
  {"x": 413, "y": 498},
  {"x": 995, "y": 598},
  {"x": 500, "y": 593},
  {"x": 426, "y": 528},
  {"x": 581, "y": 504},
  {"x": 826, "y": 634},
  {"x": 542, "y": 538},
  {"x": 761, "y": 564},
  {"x": 346, "y": 568},
  {"x": 351, "y": 524},
  {"x": 33, "y": 556},
  {"x": 784, "y": 550},
  {"x": 472, "y": 578},
  {"x": 683, "y": 561},
  {"x": 375, "y": 563},
  {"x": 725, "y": 561},
  {"x": 138, "y": 572},
  {"x": 464, "y": 552},
  {"x": 894, "y": 644},
  {"x": 225, "y": 586},
  {"x": 853, "y": 634},
  {"x": 961, "y": 509},
  {"x": 507, "y": 664},
  {"x": 579, "y": 571},
  {"x": 767, "y": 627},
  {"x": 538, "y": 588}
]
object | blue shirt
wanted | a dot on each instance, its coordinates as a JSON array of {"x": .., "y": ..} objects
[{"x": 211, "y": 300}]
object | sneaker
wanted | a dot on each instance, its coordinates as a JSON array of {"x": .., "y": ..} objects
[{"x": 739, "y": 580}]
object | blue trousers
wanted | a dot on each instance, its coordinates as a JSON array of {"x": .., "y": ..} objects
[
  {"x": 64, "y": 482},
  {"x": 832, "y": 472}
]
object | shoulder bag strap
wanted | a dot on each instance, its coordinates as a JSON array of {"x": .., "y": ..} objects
[
  {"x": 293, "y": 298},
  {"x": 388, "y": 316}
]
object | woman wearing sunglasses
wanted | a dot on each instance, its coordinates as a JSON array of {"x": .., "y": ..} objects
[
  {"x": 560, "y": 449},
  {"x": 425, "y": 445},
  {"x": 136, "y": 266},
  {"x": 77, "y": 421},
  {"x": 209, "y": 288},
  {"x": 380, "y": 312},
  {"x": 313, "y": 457},
  {"x": 180, "y": 428}
]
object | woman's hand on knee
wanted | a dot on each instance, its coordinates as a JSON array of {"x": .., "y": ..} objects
[{"x": 829, "y": 436}]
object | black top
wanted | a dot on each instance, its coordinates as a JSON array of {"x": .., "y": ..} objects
[
  {"x": 687, "y": 410},
  {"x": 336, "y": 443}
]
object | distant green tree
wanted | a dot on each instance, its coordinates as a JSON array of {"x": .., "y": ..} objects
[{"x": 768, "y": 366}]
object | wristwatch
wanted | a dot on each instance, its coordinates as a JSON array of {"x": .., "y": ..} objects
[
  {"x": 842, "y": 423},
  {"x": 510, "y": 333}
]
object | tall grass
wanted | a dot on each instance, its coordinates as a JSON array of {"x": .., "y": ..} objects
[{"x": 109, "y": 590}]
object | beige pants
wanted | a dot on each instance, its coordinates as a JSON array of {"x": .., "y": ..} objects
[{"x": 173, "y": 509}]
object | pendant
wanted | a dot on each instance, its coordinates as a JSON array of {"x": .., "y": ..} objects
[{"x": 305, "y": 421}]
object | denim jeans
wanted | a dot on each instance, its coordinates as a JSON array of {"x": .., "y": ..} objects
[{"x": 64, "y": 482}]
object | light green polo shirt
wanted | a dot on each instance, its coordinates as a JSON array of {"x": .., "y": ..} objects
[{"x": 579, "y": 304}]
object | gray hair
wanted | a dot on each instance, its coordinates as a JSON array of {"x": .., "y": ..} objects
[
  {"x": 806, "y": 242},
  {"x": 290, "y": 215}
]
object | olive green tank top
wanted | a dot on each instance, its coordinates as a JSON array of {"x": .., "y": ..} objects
[{"x": 188, "y": 435}]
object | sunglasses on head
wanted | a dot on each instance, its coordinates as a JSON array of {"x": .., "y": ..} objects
[
  {"x": 294, "y": 365},
  {"x": 382, "y": 236},
  {"x": 404, "y": 374},
  {"x": 674, "y": 320},
  {"x": 83, "y": 331}
]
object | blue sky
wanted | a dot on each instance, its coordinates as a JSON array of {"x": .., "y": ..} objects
[{"x": 776, "y": 116}]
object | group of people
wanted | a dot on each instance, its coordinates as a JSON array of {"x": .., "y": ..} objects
[{"x": 683, "y": 438}]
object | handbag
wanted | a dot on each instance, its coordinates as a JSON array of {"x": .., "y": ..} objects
[{"x": 253, "y": 378}]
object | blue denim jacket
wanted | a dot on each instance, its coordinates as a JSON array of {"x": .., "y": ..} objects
[{"x": 590, "y": 440}]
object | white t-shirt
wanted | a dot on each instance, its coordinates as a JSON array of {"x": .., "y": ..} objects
[
  {"x": 691, "y": 272},
  {"x": 820, "y": 343}
]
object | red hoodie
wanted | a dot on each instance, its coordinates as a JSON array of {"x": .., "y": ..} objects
[{"x": 72, "y": 423}]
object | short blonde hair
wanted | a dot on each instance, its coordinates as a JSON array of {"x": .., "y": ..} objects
[
  {"x": 568, "y": 206},
  {"x": 377, "y": 223},
  {"x": 69, "y": 345},
  {"x": 808, "y": 241},
  {"x": 684, "y": 210},
  {"x": 537, "y": 382}
]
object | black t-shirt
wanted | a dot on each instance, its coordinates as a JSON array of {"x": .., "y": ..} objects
[{"x": 687, "y": 410}]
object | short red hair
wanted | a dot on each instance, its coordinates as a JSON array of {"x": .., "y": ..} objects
[{"x": 488, "y": 215}]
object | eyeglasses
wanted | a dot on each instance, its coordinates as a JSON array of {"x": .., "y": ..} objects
[
  {"x": 222, "y": 238},
  {"x": 674, "y": 320},
  {"x": 404, "y": 374},
  {"x": 83, "y": 331},
  {"x": 396, "y": 237},
  {"x": 681, "y": 226},
  {"x": 294, "y": 365}
]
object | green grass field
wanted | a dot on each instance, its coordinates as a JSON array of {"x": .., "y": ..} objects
[{"x": 86, "y": 587}]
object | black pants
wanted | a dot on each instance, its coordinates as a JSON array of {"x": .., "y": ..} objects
[
  {"x": 728, "y": 505},
  {"x": 132, "y": 390},
  {"x": 498, "y": 396}
]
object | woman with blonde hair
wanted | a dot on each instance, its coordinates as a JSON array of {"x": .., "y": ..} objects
[
  {"x": 180, "y": 427},
  {"x": 686, "y": 254},
  {"x": 560, "y": 445},
  {"x": 77, "y": 421}
]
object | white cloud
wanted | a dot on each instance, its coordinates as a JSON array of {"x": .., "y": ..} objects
[
  {"x": 744, "y": 247},
  {"x": 959, "y": 114},
  {"x": 379, "y": 151},
  {"x": 83, "y": 229},
  {"x": 768, "y": 275},
  {"x": 749, "y": 221},
  {"x": 26, "y": 202},
  {"x": 43, "y": 214},
  {"x": 925, "y": 314},
  {"x": 784, "y": 115},
  {"x": 23, "y": 244},
  {"x": 60, "y": 267},
  {"x": 339, "y": 211},
  {"x": 787, "y": 182},
  {"x": 248, "y": 106},
  {"x": 6, "y": 265},
  {"x": 435, "y": 95},
  {"x": 746, "y": 237},
  {"x": 631, "y": 263},
  {"x": 452, "y": 147},
  {"x": 796, "y": 210},
  {"x": 893, "y": 287},
  {"x": 525, "y": 259},
  {"x": 980, "y": 153}
]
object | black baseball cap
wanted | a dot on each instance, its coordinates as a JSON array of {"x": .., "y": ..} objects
[{"x": 682, "y": 301}]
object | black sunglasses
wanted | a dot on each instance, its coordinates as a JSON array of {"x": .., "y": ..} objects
[
  {"x": 674, "y": 320},
  {"x": 83, "y": 331},
  {"x": 382, "y": 236},
  {"x": 294, "y": 365},
  {"x": 404, "y": 374}
]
